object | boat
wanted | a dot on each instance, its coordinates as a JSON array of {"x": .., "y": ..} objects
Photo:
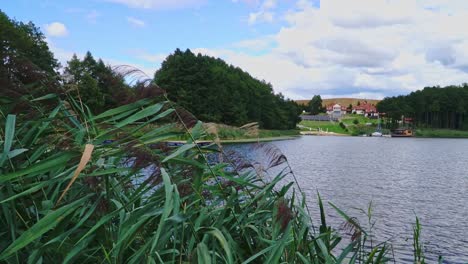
[
  {"x": 402, "y": 132},
  {"x": 378, "y": 131}
]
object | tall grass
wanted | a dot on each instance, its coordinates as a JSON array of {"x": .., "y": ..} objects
[
  {"x": 417, "y": 245},
  {"x": 80, "y": 188}
]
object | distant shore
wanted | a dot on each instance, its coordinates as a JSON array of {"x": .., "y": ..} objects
[
  {"x": 242, "y": 140},
  {"x": 253, "y": 140},
  {"x": 322, "y": 133},
  {"x": 440, "y": 133}
]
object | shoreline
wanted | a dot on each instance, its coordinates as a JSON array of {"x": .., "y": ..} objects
[
  {"x": 328, "y": 134},
  {"x": 253, "y": 140},
  {"x": 237, "y": 141}
]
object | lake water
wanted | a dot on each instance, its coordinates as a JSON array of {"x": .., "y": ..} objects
[{"x": 403, "y": 177}]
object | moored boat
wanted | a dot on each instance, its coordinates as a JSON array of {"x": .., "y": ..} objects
[
  {"x": 378, "y": 131},
  {"x": 402, "y": 132}
]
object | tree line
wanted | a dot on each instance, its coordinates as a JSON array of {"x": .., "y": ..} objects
[
  {"x": 208, "y": 87},
  {"x": 432, "y": 107},
  {"x": 217, "y": 92}
]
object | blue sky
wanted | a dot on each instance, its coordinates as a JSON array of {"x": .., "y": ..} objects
[{"x": 360, "y": 48}]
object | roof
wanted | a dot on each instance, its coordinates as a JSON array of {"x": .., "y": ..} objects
[
  {"x": 331, "y": 106},
  {"x": 341, "y": 101},
  {"x": 368, "y": 108}
]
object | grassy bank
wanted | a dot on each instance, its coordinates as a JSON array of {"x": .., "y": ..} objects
[
  {"x": 251, "y": 131},
  {"x": 228, "y": 134},
  {"x": 325, "y": 126},
  {"x": 350, "y": 124},
  {"x": 350, "y": 119},
  {"x": 440, "y": 133}
]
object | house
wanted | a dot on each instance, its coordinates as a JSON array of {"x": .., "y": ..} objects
[
  {"x": 365, "y": 109},
  {"x": 336, "y": 110}
]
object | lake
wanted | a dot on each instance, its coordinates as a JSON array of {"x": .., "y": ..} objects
[{"x": 403, "y": 177}]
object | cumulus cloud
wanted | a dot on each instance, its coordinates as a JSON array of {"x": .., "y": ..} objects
[
  {"x": 259, "y": 44},
  {"x": 146, "y": 56},
  {"x": 56, "y": 29},
  {"x": 363, "y": 48},
  {"x": 264, "y": 14},
  {"x": 160, "y": 4},
  {"x": 136, "y": 22},
  {"x": 260, "y": 16}
]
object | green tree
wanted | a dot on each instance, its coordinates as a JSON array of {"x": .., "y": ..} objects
[
  {"x": 26, "y": 63},
  {"x": 315, "y": 105},
  {"x": 217, "y": 92},
  {"x": 90, "y": 93},
  {"x": 106, "y": 89},
  {"x": 433, "y": 107}
]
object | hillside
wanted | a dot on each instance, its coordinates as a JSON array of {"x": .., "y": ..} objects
[
  {"x": 341, "y": 101},
  {"x": 216, "y": 92}
]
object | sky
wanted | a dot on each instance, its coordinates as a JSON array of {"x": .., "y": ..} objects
[{"x": 335, "y": 48}]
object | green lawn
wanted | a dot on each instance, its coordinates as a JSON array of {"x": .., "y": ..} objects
[
  {"x": 234, "y": 133},
  {"x": 440, "y": 133},
  {"x": 323, "y": 125},
  {"x": 352, "y": 128},
  {"x": 349, "y": 119}
]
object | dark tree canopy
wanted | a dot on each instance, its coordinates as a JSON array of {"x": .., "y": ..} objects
[
  {"x": 315, "y": 105},
  {"x": 99, "y": 86},
  {"x": 432, "y": 107},
  {"x": 27, "y": 66},
  {"x": 217, "y": 92},
  {"x": 24, "y": 41},
  {"x": 25, "y": 57}
]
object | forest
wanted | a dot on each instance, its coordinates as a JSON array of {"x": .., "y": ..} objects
[
  {"x": 432, "y": 107},
  {"x": 214, "y": 91}
]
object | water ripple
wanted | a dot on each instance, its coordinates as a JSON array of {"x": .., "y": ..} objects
[{"x": 402, "y": 177}]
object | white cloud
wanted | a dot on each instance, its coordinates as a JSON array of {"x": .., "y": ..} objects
[
  {"x": 136, "y": 22},
  {"x": 147, "y": 56},
  {"x": 269, "y": 4},
  {"x": 265, "y": 13},
  {"x": 56, "y": 29},
  {"x": 258, "y": 44},
  {"x": 60, "y": 54},
  {"x": 160, "y": 4},
  {"x": 260, "y": 16},
  {"x": 360, "y": 48}
]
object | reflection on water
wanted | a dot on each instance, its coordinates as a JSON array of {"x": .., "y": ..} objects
[{"x": 402, "y": 177}]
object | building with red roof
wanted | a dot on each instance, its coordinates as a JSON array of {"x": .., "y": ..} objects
[{"x": 365, "y": 109}]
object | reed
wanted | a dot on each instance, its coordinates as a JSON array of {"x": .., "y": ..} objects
[{"x": 80, "y": 188}]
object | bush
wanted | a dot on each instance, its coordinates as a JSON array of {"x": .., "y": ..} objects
[{"x": 356, "y": 121}]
